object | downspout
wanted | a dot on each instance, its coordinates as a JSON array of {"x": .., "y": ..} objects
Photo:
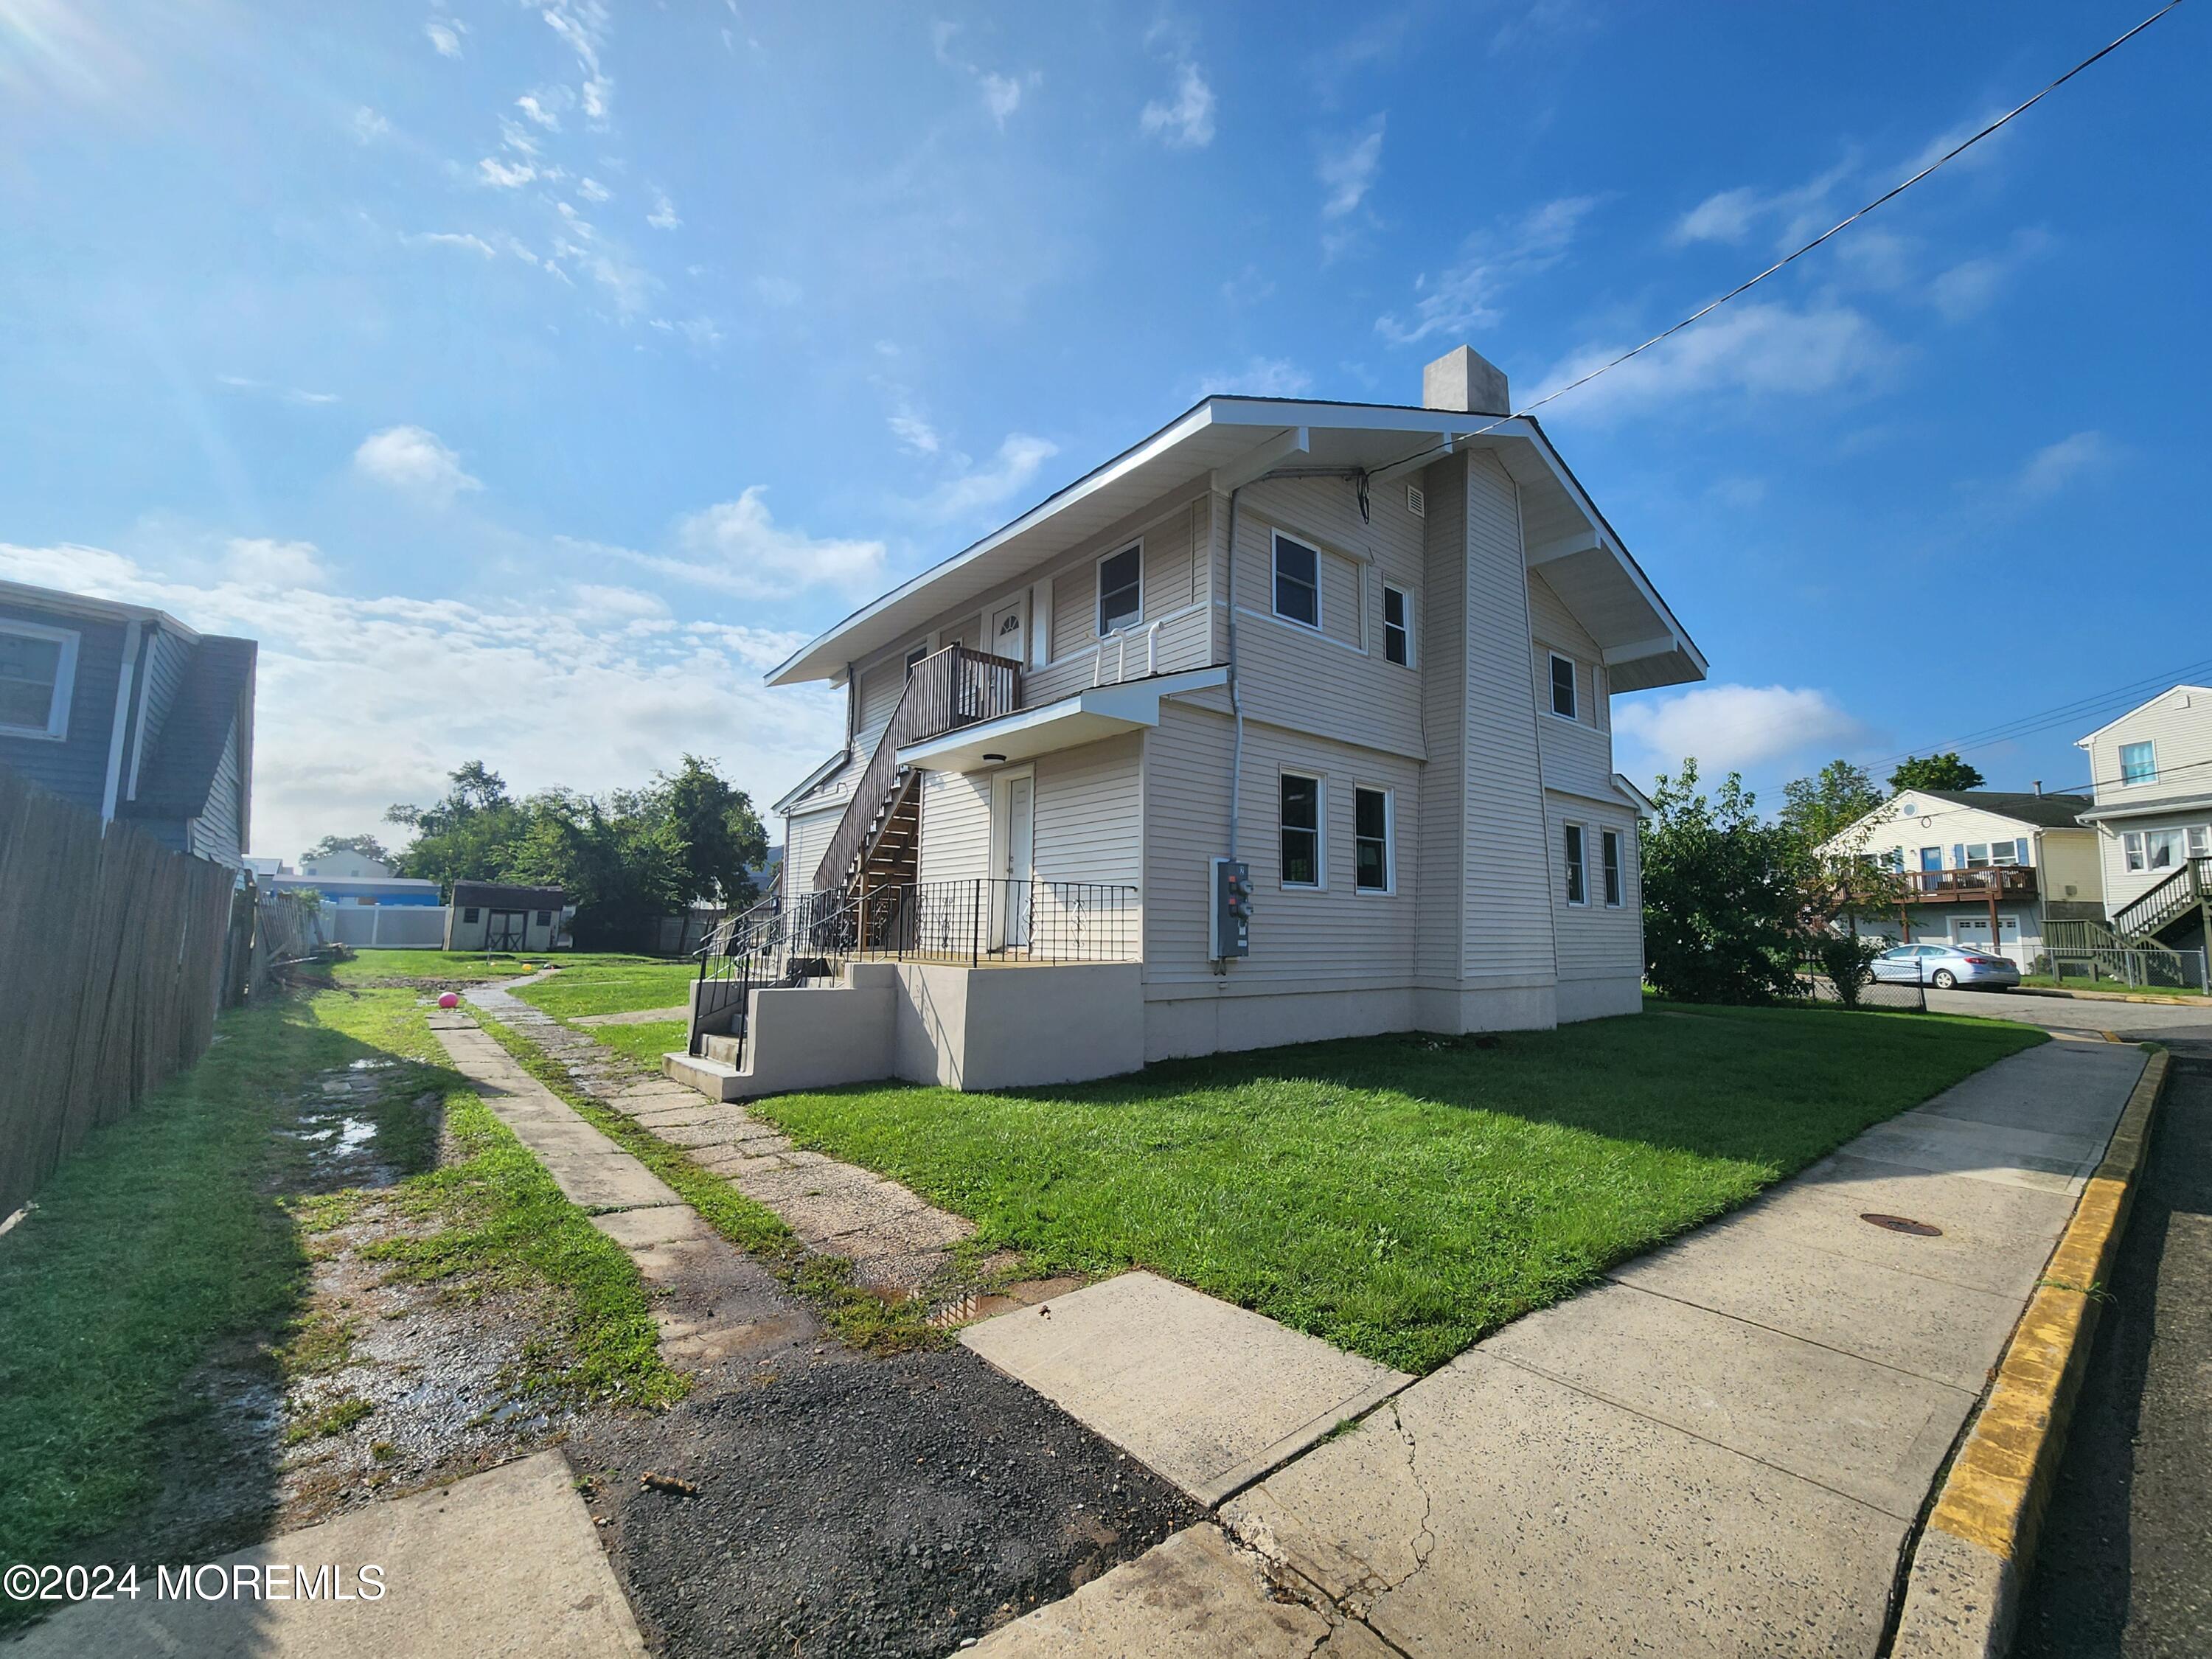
[{"x": 116, "y": 724}]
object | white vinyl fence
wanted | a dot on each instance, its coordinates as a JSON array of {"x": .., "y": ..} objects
[{"x": 385, "y": 926}]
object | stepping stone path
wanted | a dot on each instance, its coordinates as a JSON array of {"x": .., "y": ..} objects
[{"x": 899, "y": 1246}]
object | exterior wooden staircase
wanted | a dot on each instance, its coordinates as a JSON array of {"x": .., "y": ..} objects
[
  {"x": 2183, "y": 898},
  {"x": 878, "y": 843}
]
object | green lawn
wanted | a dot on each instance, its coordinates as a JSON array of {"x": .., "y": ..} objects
[
  {"x": 611, "y": 985},
  {"x": 2084, "y": 982},
  {"x": 456, "y": 967},
  {"x": 168, "y": 1237},
  {"x": 1403, "y": 1196}
]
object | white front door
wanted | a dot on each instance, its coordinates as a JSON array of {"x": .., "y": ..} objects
[
  {"x": 1014, "y": 838},
  {"x": 1009, "y": 629}
]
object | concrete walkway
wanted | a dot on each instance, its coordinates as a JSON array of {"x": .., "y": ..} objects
[
  {"x": 712, "y": 1301},
  {"x": 898, "y": 1243},
  {"x": 1722, "y": 1449},
  {"x": 506, "y": 1564}
]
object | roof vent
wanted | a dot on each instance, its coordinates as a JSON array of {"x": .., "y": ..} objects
[{"x": 1416, "y": 503}]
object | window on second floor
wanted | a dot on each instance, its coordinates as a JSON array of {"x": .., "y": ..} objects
[
  {"x": 37, "y": 666},
  {"x": 915, "y": 658},
  {"x": 1564, "y": 702},
  {"x": 1397, "y": 626},
  {"x": 1297, "y": 582},
  {"x": 2138, "y": 762},
  {"x": 1120, "y": 589}
]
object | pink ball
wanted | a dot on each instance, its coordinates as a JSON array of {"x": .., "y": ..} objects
[{"x": 448, "y": 999}]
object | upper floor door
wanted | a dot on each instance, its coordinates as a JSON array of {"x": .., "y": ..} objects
[{"x": 1008, "y": 626}]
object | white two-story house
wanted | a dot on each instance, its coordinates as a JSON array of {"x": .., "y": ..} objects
[
  {"x": 1361, "y": 655},
  {"x": 2152, "y": 780}
]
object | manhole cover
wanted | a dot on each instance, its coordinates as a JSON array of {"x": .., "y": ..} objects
[{"x": 1899, "y": 1224}]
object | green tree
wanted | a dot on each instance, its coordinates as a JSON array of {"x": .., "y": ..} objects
[
  {"x": 619, "y": 862},
  {"x": 1944, "y": 771},
  {"x": 723, "y": 838},
  {"x": 470, "y": 835},
  {"x": 1721, "y": 893},
  {"x": 1818, "y": 809},
  {"x": 367, "y": 846}
]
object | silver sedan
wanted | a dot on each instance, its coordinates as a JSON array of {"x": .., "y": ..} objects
[{"x": 1945, "y": 966}]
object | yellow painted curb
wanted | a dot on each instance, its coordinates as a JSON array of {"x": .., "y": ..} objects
[{"x": 1993, "y": 1497}]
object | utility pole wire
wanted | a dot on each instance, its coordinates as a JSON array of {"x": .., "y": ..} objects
[{"x": 1955, "y": 151}]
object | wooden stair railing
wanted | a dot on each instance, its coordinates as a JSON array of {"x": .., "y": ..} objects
[
  {"x": 955, "y": 687},
  {"x": 2167, "y": 903}
]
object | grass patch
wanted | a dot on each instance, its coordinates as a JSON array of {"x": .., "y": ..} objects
[
  {"x": 367, "y": 967},
  {"x": 2082, "y": 982},
  {"x": 168, "y": 1238},
  {"x": 1404, "y": 1197},
  {"x": 860, "y": 1318},
  {"x": 611, "y": 985},
  {"x": 643, "y": 1043}
]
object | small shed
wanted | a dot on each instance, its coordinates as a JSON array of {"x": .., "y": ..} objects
[{"x": 488, "y": 915}]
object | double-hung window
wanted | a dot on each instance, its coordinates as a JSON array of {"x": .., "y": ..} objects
[
  {"x": 1120, "y": 589},
  {"x": 1397, "y": 626},
  {"x": 1370, "y": 839},
  {"x": 2200, "y": 840},
  {"x": 1563, "y": 686},
  {"x": 1609, "y": 846},
  {"x": 1578, "y": 875},
  {"x": 2152, "y": 850},
  {"x": 1297, "y": 582},
  {"x": 37, "y": 666},
  {"x": 2138, "y": 762},
  {"x": 1301, "y": 829}
]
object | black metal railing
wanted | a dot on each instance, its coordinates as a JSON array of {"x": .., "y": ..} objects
[
  {"x": 952, "y": 688},
  {"x": 771, "y": 944},
  {"x": 982, "y": 920}
]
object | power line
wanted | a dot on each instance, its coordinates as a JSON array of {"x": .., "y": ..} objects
[{"x": 2026, "y": 725}]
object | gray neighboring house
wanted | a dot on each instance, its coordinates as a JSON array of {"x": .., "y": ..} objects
[
  {"x": 2152, "y": 816},
  {"x": 132, "y": 715}
]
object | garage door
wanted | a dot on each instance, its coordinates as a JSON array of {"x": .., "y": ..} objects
[{"x": 1974, "y": 935}]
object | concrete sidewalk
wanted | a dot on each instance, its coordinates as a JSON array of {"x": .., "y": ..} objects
[
  {"x": 505, "y": 1565},
  {"x": 1720, "y": 1450}
]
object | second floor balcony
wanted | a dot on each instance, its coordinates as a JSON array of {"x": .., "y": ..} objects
[{"x": 2001, "y": 881}]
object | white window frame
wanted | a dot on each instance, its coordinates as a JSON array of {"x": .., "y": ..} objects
[
  {"x": 2150, "y": 776},
  {"x": 1098, "y": 592},
  {"x": 1612, "y": 868},
  {"x": 1574, "y": 854},
  {"x": 2131, "y": 850},
  {"x": 1406, "y": 598},
  {"x": 1275, "y": 540},
  {"x": 2169, "y": 836},
  {"x": 2199, "y": 839},
  {"x": 56, "y": 730},
  {"x": 1319, "y": 883},
  {"x": 1552, "y": 686},
  {"x": 1389, "y": 887}
]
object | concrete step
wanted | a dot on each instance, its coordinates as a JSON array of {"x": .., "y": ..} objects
[
  {"x": 713, "y": 1079},
  {"x": 721, "y": 1048}
]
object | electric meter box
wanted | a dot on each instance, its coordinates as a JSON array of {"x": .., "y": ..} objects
[{"x": 1230, "y": 932}]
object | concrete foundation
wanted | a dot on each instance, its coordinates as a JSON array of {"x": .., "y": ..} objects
[{"x": 1599, "y": 998}]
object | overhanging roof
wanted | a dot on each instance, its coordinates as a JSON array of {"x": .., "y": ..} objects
[
  {"x": 1099, "y": 712},
  {"x": 2148, "y": 809},
  {"x": 1227, "y": 440}
]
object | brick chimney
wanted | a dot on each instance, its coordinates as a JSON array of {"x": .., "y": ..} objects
[{"x": 1466, "y": 383}]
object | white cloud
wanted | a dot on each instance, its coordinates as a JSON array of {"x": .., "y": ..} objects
[
  {"x": 290, "y": 394},
  {"x": 1744, "y": 351},
  {"x": 362, "y": 701},
  {"x": 737, "y": 548},
  {"x": 535, "y": 107},
  {"x": 976, "y": 488},
  {"x": 444, "y": 33},
  {"x": 1347, "y": 174},
  {"x": 1261, "y": 377},
  {"x": 503, "y": 174},
  {"x": 2054, "y": 466},
  {"x": 415, "y": 463},
  {"x": 1186, "y": 120},
  {"x": 1971, "y": 286},
  {"x": 1731, "y": 215},
  {"x": 593, "y": 599},
  {"x": 1732, "y": 728},
  {"x": 914, "y": 435},
  {"x": 663, "y": 216},
  {"x": 368, "y": 127},
  {"x": 1002, "y": 96},
  {"x": 583, "y": 25},
  {"x": 279, "y": 566},
  {"x": 592, "y": 190},
  {"x": 1465, "y": 296},
  {"x": 459, "y": 239}
]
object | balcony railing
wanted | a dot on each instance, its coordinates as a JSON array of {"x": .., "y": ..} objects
[
  {"x": 2006, "y": 881},
  {"x": 953, "y": 688}
]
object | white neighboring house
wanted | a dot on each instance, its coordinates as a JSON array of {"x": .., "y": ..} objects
[
  {"x": 1982, "y": 867},
  {"x": 344, "y": 865},
  {"x": 2153, "y": 814},
  {"x": 1367, "y": 650}
]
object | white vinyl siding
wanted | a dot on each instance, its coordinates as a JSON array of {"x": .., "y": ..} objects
[
  {"x": 956, "y": 827},
  {"x": 1578, "y": 752},
  {"x": 811, "y": 834},
  {"x": 1598, "y": 939}
]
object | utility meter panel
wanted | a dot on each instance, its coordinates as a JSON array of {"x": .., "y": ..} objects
[{"x": 1230, "y": 933}]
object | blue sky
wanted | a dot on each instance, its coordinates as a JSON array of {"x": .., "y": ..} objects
[{"x": 528, "y": 377}]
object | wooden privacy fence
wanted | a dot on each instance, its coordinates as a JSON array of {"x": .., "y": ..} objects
[{"x": 112, "y": 964}]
